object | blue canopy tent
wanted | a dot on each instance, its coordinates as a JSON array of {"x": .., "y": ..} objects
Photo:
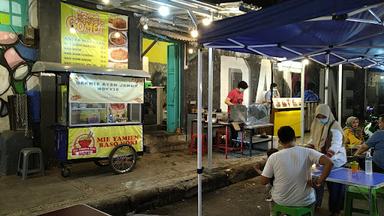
[{"x": 328, "y": 32}]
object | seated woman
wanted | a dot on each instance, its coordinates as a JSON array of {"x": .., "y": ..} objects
[{"x": 353, "y": 134}]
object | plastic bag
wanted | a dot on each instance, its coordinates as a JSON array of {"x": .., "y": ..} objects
[{"x": 257, "y": 114}]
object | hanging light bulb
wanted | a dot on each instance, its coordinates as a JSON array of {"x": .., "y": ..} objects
[
  {"x": 194, "y": 33},
  {"x": 163, "y": 10},
  {"x": 190, "y": 51},
  {"x": 207, "y": 21},
  {"x": 145, "y": 26},
  {"x": 72, "y": 30}
]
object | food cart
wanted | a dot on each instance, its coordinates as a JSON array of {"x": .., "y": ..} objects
[
  {"x": 286, "y": 111},
  {"x": 98, "y": 114}
]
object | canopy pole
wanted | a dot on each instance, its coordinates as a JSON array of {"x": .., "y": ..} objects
[
  {"x": 339, "y": 104},
  {"x": 365, "y": 88},
  {"x": 199, "y": 132},
  {"x": 302, "y": 84},
  {"x": 210, "y": 101},
  {"x": 326, "y": 81}
]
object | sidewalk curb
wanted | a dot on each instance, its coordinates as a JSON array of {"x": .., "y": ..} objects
[{"x": 122, "y": 203}]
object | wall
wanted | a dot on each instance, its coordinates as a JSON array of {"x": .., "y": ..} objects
[
  {"x": 257, "y": 71},
  {"x": 248, "y": 63},
  {"x": 227, "y": 63},
  {"x": 158, "y": 53},
  {"x": 157, "y": 58},
  {"x": 375, "y": 91},
  {"x": 16, "y": 60}
]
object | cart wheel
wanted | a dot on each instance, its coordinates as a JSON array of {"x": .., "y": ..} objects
[
  {"x": 122, "y": 158},
  {"x": 102, "y": 162},
  {"x": 65, "y": 172}
]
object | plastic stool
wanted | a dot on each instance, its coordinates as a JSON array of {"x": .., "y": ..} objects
[
  {"x": 361, "y": 193},
  {"x": 277, "y": 210},
  {"x": 24, "y": 158},
  {"x": 218, "y": 140},
  {"x": 193, "y": 144}
]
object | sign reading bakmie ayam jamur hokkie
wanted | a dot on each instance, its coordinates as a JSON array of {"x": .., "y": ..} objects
[{"x": 97, "y": 38}]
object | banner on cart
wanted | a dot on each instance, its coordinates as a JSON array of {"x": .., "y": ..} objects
[
  {"x": 86, "y": 88},
  {"x": 98, "y": 142},
  {"x": 91, "y": 37}
]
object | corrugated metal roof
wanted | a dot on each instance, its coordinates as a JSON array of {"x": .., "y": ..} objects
[
  {"x": 53, "y": 67},
  {"x": 171, "y": 35}
]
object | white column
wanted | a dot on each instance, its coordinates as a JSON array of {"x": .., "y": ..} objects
[
  {"x": 199, "y": 132},
  {"x": 210, "y": 101},
  {"x": 302, "y": 82},
  {"x": 339, "y": 104}
]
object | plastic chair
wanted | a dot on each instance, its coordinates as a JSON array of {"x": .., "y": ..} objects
[
  {"x": 24, "y": 162},
  {"x": 278, "y": 210},
  {"x": 220, "y": 132},
  {"x": 361, "y": 193},
  {"x": 193, "y": 144}
]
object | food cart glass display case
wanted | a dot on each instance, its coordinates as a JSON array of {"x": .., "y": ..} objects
[{"x": 98, "y": 114}]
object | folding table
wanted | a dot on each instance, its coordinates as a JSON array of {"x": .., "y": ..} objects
[{"x": 360, "y": 179}]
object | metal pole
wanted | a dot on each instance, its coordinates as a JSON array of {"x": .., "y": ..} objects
[
  {"x": 326, "y": 81},
  {"x": 302, "y": 103},
  {"x": 339, "y": 104},
  {"x": 210, "y": 101},
  {"x": 199, "y": 132},
  {"x": 365, "y": 88},
  {"x": 326, "y": 85}
]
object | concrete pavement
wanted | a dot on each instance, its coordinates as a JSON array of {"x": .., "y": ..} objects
[{"x": 158, "y": 179}]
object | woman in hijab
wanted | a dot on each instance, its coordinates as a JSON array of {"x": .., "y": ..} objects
[
  {"x": 327, "y": 138},
  {"x": 353, "y": 134}
]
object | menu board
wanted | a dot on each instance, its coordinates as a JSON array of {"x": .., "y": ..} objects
[
  {"x": 284, "y": 103},
  {"x": 93, "y": 38}
]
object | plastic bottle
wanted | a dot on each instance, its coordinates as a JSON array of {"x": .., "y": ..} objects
[
  {"x": 368, "y": 163},
  {"x": 110, "y": 118}
]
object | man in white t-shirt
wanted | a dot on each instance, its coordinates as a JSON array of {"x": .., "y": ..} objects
[{"x": 290, "y": 169}]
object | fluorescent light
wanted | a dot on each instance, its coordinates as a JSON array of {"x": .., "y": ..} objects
[
  {"x": 163, "y": 10},
  {"x": 194, "y": 33},
  {"x": 190, "y": 50},
  {"x": 72, "y": 30},
  {"x": 207, "y": 21},
  {"x": 105, "y": 1},
  {"x": 145, "y": 26}
]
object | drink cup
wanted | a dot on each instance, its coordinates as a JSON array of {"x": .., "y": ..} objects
[{"x": 354, "y": 167}]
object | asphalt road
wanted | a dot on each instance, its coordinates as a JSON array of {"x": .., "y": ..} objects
[{"x": 242, "y": 199}]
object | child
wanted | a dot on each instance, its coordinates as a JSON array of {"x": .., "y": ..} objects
[{"x": 268, "y": 187}]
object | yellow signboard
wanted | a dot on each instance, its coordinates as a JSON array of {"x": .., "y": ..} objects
[
  {"x": 93, "y": 38},
  {"x": 98, "y": 142}
]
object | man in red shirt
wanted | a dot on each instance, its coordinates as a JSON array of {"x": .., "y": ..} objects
[{"x": 235, "y": 96}]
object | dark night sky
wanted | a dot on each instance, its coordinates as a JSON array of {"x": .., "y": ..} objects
[{"x": 260, "y": 3}]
